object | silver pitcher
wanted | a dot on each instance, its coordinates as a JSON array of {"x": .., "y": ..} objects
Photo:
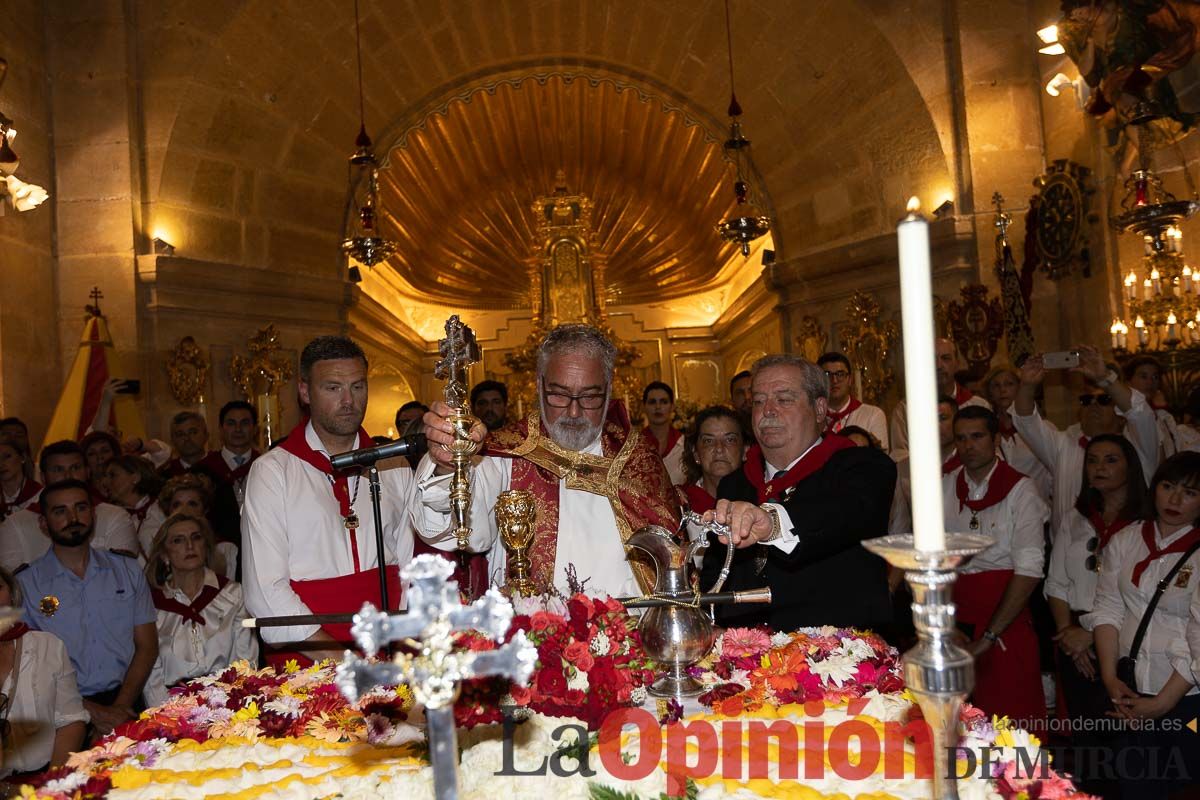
[{"x": 679, "y": 633}]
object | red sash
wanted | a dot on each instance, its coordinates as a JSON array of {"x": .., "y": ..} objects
[
  {"x": 1105, "y": 532},
  {"x": 673, "y": 436},
  {"x": 29, "y": 490},
  {"x": 1179, "y": 546},
  {"x": 1008, "y": 680},
  {"x": 15, "y": 632},
  {"x": 190, "y": 612},
  {"x": 215, "y": 462},
  {"x": 835, "y": 420},
  {"x": 1007, "y": 429},
  {"x": 1083, "y": 442},
  {"x": 812, "y": 461},
  {"x": 1002, "y": 481},
  {"x": 699, "y": 500},
  {"x": 296, "y": 443},
  {"x": 962, "y": 394}
]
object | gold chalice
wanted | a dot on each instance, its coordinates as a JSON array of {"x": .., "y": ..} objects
[{"x": 515, "y": 516}]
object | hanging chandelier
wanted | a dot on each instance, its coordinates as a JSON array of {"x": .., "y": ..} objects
[
  {"x": 364, "y": 245},
  {"x": 748, "y": 222},
  {"x": 1163, "y": 300}
]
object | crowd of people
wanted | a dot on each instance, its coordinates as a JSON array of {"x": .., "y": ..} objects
[{"x": 136, "y": 562}]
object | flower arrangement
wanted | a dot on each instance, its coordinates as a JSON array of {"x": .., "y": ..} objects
[
  {"x": 590, "y": 662},
  {"x": 749, "y": 668},
  {"x": 241, "y": 704}
]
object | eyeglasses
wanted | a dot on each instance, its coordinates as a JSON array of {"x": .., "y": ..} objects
[
  {"x": 1099, "y": 399},
  {"x": 588, "y": 402},
  {"x": 840, "y": 375},
  {"x": 1092, "y": 564}
]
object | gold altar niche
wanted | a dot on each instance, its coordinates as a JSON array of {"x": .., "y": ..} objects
[
  {"x": 566, "y": 280},
  {"x": 260, "y": 377}
]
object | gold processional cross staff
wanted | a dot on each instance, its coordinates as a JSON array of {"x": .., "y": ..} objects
[{"x": 459, "y": 351}]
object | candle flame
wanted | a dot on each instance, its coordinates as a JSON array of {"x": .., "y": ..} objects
[
  {"x": 1116, "y": 326},
  {"x": 1140, "y": 323},
  {"x": 1171, "y": 320},
  {"x": 1154, "y": 274},
  {"x": 1187, "y": 270},
  {"x": 1130, "y": 279},
  {"x": 914, "y": 204}
]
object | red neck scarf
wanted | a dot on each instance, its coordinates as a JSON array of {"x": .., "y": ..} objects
[
  {"x": 1001, "y": 482},
  {"x": 699, "y": 500},
  {"x": 1180, "y": 545},
  {"x": 1105, "y": 532},
  {"x": 1007, "y": 429},
  {"x": 812, "y": 461},
  {"x": 961, "y": 395},
  {"x": 297, "y": 444},
  {"x": 835, "y": 420},
  {"x": 15, "y": 632},
  {"x": 952, "y": 463},
  {"x": 29, "y": 490},
  {"x": 673, "y": 436},
  {"x": 1083, "y": 442},
  {"x": 140, "y": 511},
  {"x": 190, "y": 612}
]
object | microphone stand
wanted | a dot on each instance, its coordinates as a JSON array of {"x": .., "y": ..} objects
[{"x": 381, "y": 565}]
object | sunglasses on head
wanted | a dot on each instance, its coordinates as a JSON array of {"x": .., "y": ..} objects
[{"x": 1098, "y": 399}]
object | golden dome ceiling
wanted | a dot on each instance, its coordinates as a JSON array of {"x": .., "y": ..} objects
[{"x": 457, "y": 190}]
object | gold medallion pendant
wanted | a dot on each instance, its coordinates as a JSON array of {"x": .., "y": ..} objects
[{"x": 48, "y": 605}]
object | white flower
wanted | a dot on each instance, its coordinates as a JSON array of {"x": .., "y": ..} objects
[
  {"x": 284, "y": 706},
  {"x": 835, "y": 668},
  {"x": 600, "y": 644},
  {"x": 66, "y": 784},
  {"x": 857, "y": 648},
  {"x": 779, "y": 639},
  {"x": 579, "y": 680},
  {"x": 639, "y": 696}
]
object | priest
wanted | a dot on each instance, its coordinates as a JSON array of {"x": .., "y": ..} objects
[
  {"x": 799, "y": 509},
  {"x": 596, "y": 481}
]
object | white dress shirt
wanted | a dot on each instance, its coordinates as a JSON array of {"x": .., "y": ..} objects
[
  {"x": 231, "y": 460},
  {"x": 1121, "y": 604},
  {"x": 46, "y": 698},
  {"x": 869, "y": 418},
  {"x": 1062, "y": 454},
  {"x": 147, "y": 527},
  {"x": 674, "y": 463},
  {"x": 1021, "y": 457},
  {"x": 22, "y": 540},
  {"x": 292, "y": 529},
  {"x": 900, "y": 424},
  {"x": 188, "y": 650},
  {"x": 1015, "y": 524},
  {"x": 1068, "y": 577}
]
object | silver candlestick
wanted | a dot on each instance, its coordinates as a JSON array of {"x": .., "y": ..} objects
[{"x": 938, "y": 671}]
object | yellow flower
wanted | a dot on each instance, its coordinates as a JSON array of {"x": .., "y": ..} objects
[
  {"x": 247, "y": 713},
  {"x": 291, "y": 666}
]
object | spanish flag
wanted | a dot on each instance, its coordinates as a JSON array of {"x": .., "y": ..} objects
[{"x": 95, "y": 363}]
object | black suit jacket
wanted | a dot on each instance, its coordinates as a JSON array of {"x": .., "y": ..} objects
[{"x": 829, "y": 578}]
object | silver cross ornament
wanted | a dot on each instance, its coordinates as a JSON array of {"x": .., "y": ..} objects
[{"x": 434, "y": 670}]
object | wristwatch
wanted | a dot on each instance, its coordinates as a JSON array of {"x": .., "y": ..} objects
[
  {"x": 776, "y": 530},
  {"x": 1108, "y": 380}
]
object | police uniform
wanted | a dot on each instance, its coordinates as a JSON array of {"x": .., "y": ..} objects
[{"x": 95, "y": 615}]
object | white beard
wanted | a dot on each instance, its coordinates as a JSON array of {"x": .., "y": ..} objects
[{"x": 572, "y": 434}]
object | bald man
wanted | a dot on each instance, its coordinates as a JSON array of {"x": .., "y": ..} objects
[{"x": 947, "y": 364}]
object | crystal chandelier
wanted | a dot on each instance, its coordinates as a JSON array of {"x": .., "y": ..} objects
[
  {"x": 364, "y": 245},
  {"x": 1163, "y": 300},
  {"x": 748, "y": 222}
]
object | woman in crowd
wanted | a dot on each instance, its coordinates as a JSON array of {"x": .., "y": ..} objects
[
  {"x": 45, "y": 719},
  {"x": 200, "y": 611},
  {"x": 192, "y": 493},
  {"x": 17, "y": 491},
  {"x": 1110, "y": 500},
  {"x": 100, "y": 448},
  {"x": 1000, "y": 387},
  {"x": 1156, "y": 558},
  {"x": 134, "y": 485},
  {"x": 715, "y": 446}
]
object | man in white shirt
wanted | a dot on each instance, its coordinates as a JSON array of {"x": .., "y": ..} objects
[
  {"x": 946, "y": 364},
  {"x": 1105, "y": 406},
  {"x": 307, "y": 530},
  {"x": 21, "y": 537},
  {"x": 595, "y": 480},
  {"x": 844, "y": 408},
  {"x": 658, "y": 401},
  {"x": 987, "y": 496}
]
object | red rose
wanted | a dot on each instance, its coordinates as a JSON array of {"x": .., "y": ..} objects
[
  {"x": 577, "y": 653},
  {"x": 521, "y": 694},
  {"x": 552, "y": 682},
  {"x": 541, "y": 620}
]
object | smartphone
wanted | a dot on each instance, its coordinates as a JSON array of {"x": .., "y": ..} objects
[
  {"x": 1063, "y": 359},
  {"x": 129, "y": 386}
]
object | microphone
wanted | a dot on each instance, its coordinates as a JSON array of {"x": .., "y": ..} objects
[{"x": 367, "y": 456}]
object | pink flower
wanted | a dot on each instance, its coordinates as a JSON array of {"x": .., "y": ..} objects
[{"x": 743, "y": 642}]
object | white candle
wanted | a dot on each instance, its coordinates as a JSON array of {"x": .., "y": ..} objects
[
  {"x": 1115, "y": 330},
  {"x": 920, "y": 381},
  {"x": 1172, "y": 327},
  {"x": 1131, "y": 286},
  {"x": 1143, "y": 335}
]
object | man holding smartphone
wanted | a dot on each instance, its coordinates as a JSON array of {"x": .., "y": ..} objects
[{"x": 1106, "y": 405}]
